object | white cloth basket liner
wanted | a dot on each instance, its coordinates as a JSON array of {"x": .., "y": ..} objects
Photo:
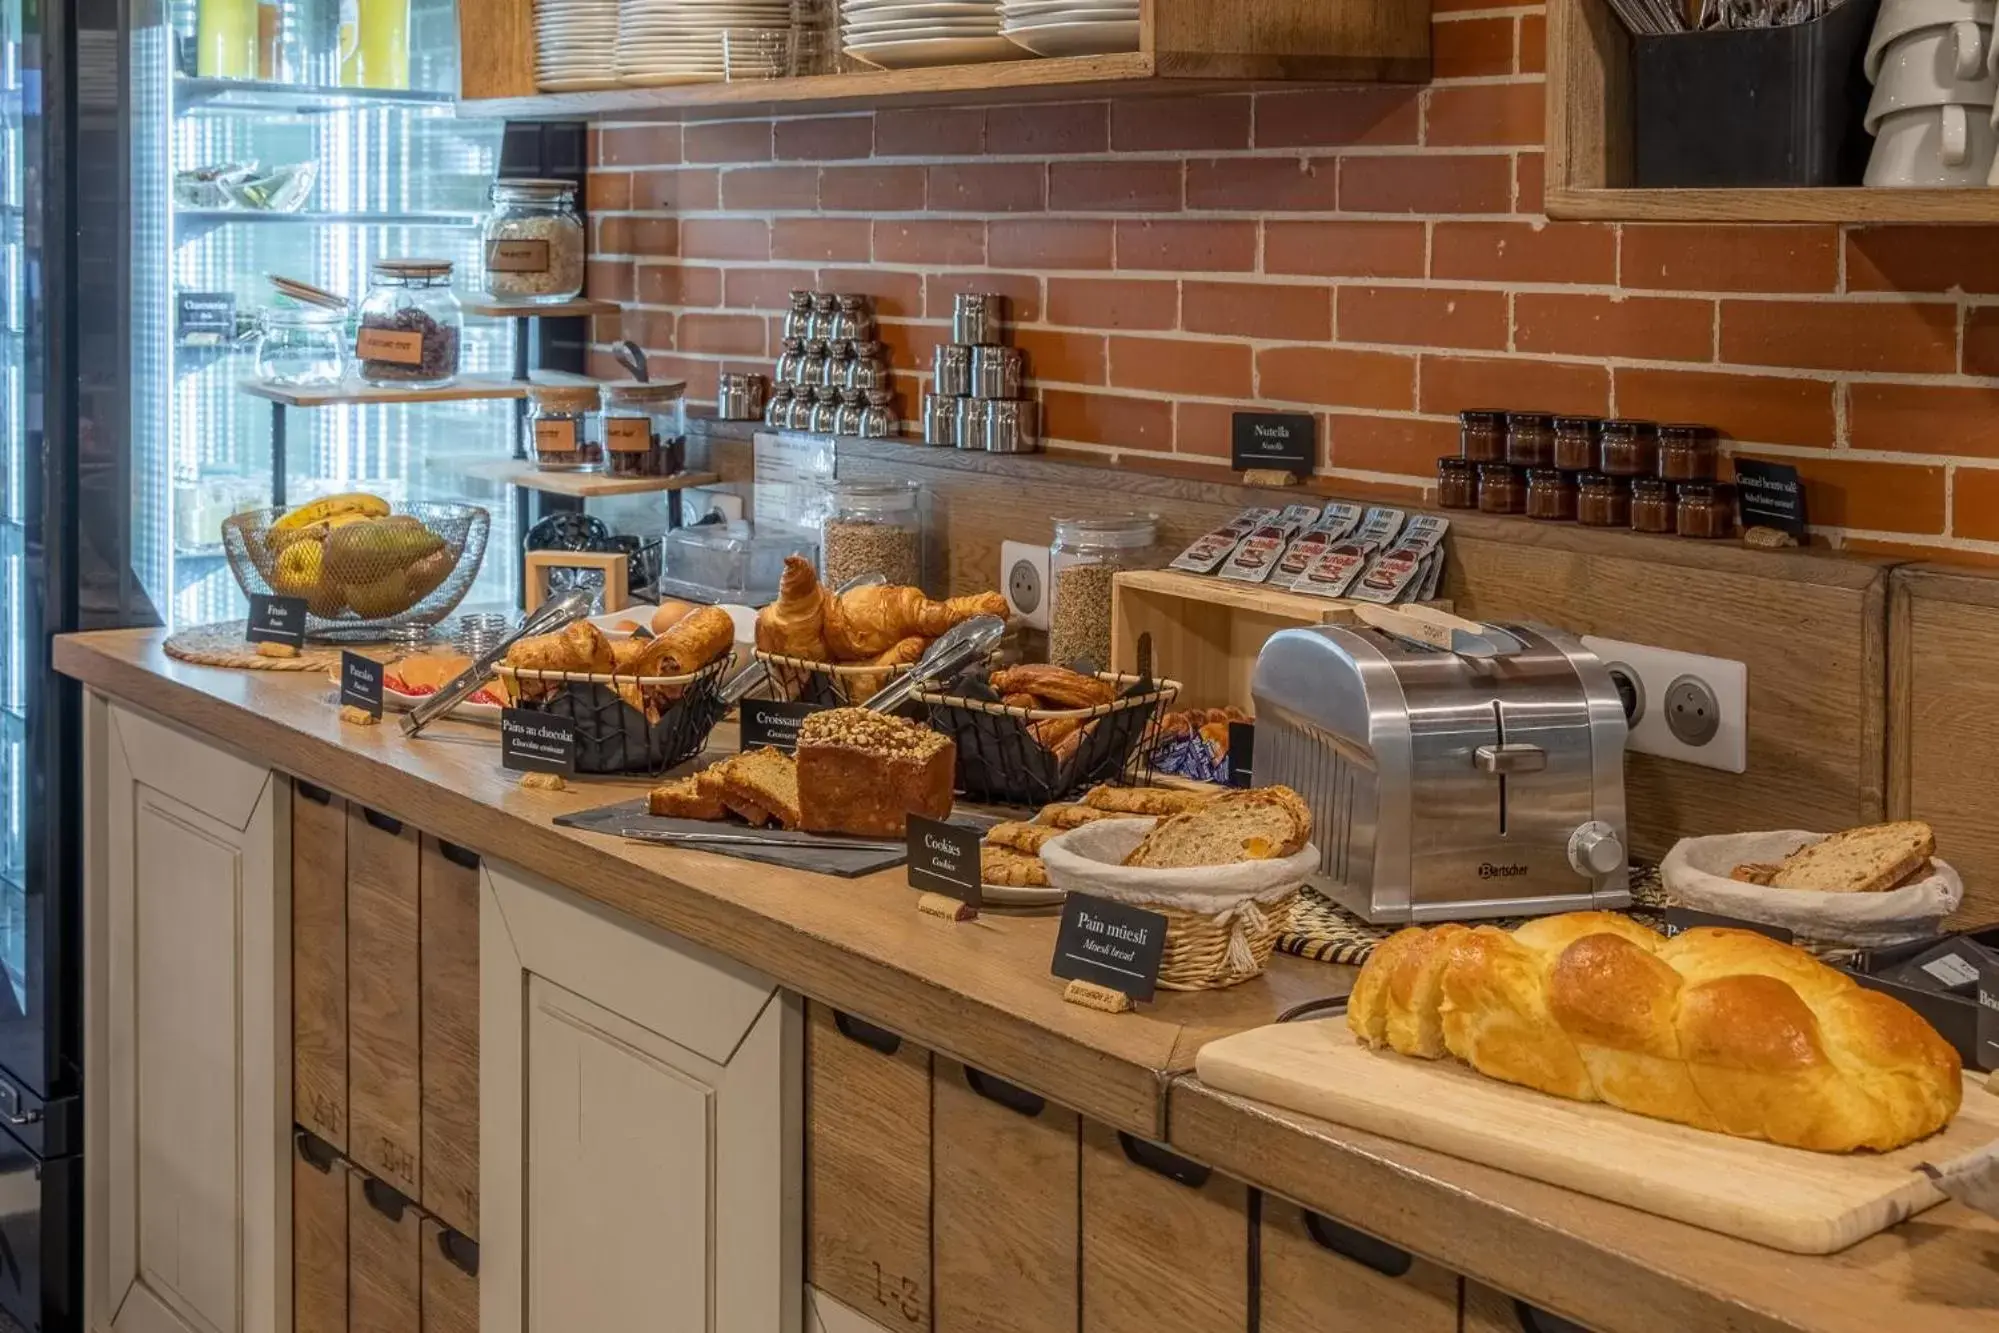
[{"x": 1695, "y": 874}]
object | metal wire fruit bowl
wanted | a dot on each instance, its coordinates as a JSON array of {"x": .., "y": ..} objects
[{"x": 362, "y": 572}]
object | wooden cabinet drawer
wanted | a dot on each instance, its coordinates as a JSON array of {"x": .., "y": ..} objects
[
  {"x": 319, "y": 1237},
  {"x": 450, "y": 1270},
  {"x": 384, "y": 1041},
  {"x": 319, "y": 963},
  {"x": 1005, "y": 1217},
  {"x": 1322, "y": 1277},
  {"x": 868, "y": 1168},
  {"x": 384, "y": 1266},
  {"x": 1165, "y": 1240},
  {"x": 449, "y": 1023},
  {"x": 1491, "y": 1311}
]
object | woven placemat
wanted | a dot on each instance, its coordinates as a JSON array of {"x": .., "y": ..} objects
[
  {"x": 223, "y": 645},
  {"x": 1324, "y": 931}
]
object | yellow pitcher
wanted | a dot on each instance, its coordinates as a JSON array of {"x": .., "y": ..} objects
[
  {"x": 226, "y": 39},
  {"x": 374, "y": 43}
]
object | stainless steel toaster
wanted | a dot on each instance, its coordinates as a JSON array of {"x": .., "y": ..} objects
[{"x": 1446, "y": 787}]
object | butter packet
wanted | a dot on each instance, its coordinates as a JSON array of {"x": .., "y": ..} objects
[
  {"x": 1334, "y": 570},
  {"x": 1335, "y": 524}
]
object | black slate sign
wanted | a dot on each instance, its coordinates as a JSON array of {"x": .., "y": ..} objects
[
  {"x": 1242, "y": 753},
  {"x": 1770, "y": 496},
  {"x": 532, "y": 742},
  {"x": 766, "y": 722},
  {"x": 1988, "y": 1017},
  {"x": 944, "y": 858},
  {"x": 1111, "y": 944},
  {"x": 276, "y": 620},
  {"x": 205, "y": 319},
  {"x": 1686, "y": 918},
  {"x": 361, "y": 683},
  {"x": 1285, "y": 440}
]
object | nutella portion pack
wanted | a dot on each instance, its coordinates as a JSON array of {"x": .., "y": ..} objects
[
  {"x": 1207, "y": 552},
  {"x": 1335, "y": 569},
  {"x": 1404, "y": 570},
  {"x": 1335, "y": 524},
  {"x": 1260, "y": 552}
]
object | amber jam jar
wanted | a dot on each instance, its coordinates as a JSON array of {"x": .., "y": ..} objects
[
  {"x": 1603, "y": 502},
  {"x": 1705, "y": 509},
  {"x": 1501, "y": 489},
  {"x": 1457, "y": 483},
  {"x": 1576, "y": 443},
  {"x": 1687, "y": 453},
  {"x": 1482, "y": 435},
  {"x": 1530, "y": 439},
  {"x": 1629, "y": 449},
  {"x": 1652, "y": 505},
  {"x": 1551, "y": 494}
]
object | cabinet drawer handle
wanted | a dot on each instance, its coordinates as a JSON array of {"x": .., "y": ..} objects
[
  {"x": 317, "y": 1152},
  {"x": 1533, "y": 1319},
  {"x": 384, "y": 1198},
  {"x": 458, "y": 856},
  {"x": 1172, "y": 1165},
  {"x": 866, "y": 1033},
  {"x": 460, "y": 1250},
  {"x": 389, "y": 824},
  {"x": 1363, "y": 1249},
  {"x": 317, "y": 795},
  {"x": 1016, "y": 1099}
]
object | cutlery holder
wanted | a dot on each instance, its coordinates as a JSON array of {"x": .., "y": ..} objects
[{"x": 1753, "y": 106}]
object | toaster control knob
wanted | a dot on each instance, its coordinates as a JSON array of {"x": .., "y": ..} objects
[{"x": 1595, "y": 850}]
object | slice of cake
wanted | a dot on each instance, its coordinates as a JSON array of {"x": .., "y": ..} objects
[
  {"x": 765, "y": 780},
  {"x": 684, "y": 799},
  {"x": 864, "y": 773}
]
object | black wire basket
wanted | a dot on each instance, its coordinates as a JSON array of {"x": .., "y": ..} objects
[
  {"x": 1031, "y": 756},
  {"x": 626, "y": 724},
  {"x": 837, "y": 685}
]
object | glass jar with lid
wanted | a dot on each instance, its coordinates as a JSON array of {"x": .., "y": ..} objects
[
  {"x": 533, "y": 241},
  {"x": 1083, "y": 560},
  {"x": 645, "y": 427},
  {"x": 1530, "y": 439},
  {"x": 872, "y": 527},
  {"x": 563, "y": 432},
  {"x": 1687, "y": 452},
  {"x": 1551, "y": 494},
  {"x": 411, "y": 324},
  {"x": 1502, "y": 489},
  {"x": 1603, "y": 502},
  {"x": 1576, "y": 443},
  {"x": 1628, "y": 448},
  {"x": 1482, "y": 435},
  {"x": 1457, "y": 482},
  {"x": 302, "y": 346}
]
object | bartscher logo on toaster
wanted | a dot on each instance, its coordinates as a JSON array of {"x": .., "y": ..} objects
[{"x": 1487, "y": 870}]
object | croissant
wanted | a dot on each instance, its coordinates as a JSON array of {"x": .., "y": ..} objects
[
  {"x": 692, "y": 643},
  {"x": 901, "y": 653},
  {"x": 580, "y": 647},
  {"x": 867, "y": 622},
  {"x": 1723, "y": 1030},
  {"x": 795, "y": 624}
]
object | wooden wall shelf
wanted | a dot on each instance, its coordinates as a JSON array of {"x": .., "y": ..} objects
[
  {"x": 1589, "y": 150},
  {"x": 1184, "y": 46},
  {"x": 582, "y": 485},
  {"x": 465, "y": 389}
]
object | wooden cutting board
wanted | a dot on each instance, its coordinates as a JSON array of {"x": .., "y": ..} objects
[{"x": 1787, "y": 1198}]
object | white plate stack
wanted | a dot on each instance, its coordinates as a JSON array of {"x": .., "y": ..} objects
[
  {"x": 701, "y": 41},
  {"x": 1071, "y": 27},
  {"x": 904, "y": 34},
  {"x": 573, "y": 41}
]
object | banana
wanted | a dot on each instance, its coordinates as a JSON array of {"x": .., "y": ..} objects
[{"x": 353, "y": 502}]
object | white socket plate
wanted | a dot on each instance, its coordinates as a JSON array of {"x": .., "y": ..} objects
[
  {"x": 1034, "y": 556},
  {"x": 1656, "y": 669}
]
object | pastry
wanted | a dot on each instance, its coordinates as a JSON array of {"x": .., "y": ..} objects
[
  {"x": 1075, "y": 816},
  {"x": 865, "y": 773},
  {"x": 1145, "y": 800},
  {"x": 1724, "y": 1030},
  {"x": 795, "y": 624},
  {"x": 1058, "y": 686},
  {"x": 867, "y": 621},
  {"x": 1012, "y": 869},
  {"x": 1021, "y": 837},
  {"x": 934, "y": 618},
  {"x": 670, "y": 613},
  {"x": 684, "y": 799},
  {"x": 1860, "y": 860},
  {"x": 578, "y": 647},
  {"x": 690, "y": 644},
  {"x": 904, "y": 653},
  {"x": 1019, "y": 699},
  {"x": 1050, "y": 732},
  {"x": 764, "y": 782},
  {"x": 1261, "y": 824}
]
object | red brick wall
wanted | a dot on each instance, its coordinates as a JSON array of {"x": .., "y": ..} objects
[{"x": 1374, "y": 255}]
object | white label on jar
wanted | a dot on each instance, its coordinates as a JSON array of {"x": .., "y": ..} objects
[
  {"x": 555, "y": 435},
  {"x": 628, "y": 435},
  {"x": 517, "y": 256},
  {"x": 404, "y": 349}
]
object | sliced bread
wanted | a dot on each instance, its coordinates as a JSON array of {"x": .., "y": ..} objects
[
  {"x": 1264, "y": 823},
  {"x": 766, "y": 778},
  {"x": 1145, "y": 800},
  {"x": 685, "y": 799},
  {"x": 1860, "y": 860}
]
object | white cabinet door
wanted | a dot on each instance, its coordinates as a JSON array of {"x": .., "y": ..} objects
[
  {"x": 640, "y": 1126},
  {"x": 188, "y": 1033}
]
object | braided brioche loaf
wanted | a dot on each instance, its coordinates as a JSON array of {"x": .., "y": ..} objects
[{"x": 1720, "y": 1029}]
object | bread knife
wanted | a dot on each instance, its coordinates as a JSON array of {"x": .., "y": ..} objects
[
  {"x": 694, "y": 838},
  {"x": 737, "y": 687}
]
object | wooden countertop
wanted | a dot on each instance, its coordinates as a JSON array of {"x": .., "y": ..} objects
[{"x": 981, "y": 993}]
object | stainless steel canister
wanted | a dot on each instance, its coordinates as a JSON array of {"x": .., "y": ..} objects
[
  {"x": 951, "y": 370},
  {"x": 864, "y": 372},
  {"x": 791, "y": 362},
  {"x": 976, "y": 317},
  {"x": 740, "y": 397},
  {"x": 800, "y": 415},
  {"x": 878, "y": 419},
  {"x": 940, "y": 419},
  {"x": 848, "y": 420},
  {"x": 825, "y": 419},
  {"x": 968, "y": 426},
  {"x": 777, "y": 412},
  {"x": 798, "y": 315},
  {"x": 996, "y": 372},
  {"x": 1008, "y": 426}
]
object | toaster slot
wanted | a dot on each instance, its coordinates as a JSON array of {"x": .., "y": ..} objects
[{"x": 1507, "y": 757}]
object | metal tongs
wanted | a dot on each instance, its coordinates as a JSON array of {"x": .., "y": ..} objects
[
  {"x": 737, "y": 687},
  {"x": 550, "y": 616},
  {"x": 1427, "y": 627},
  {"x": 954, "y": 650}
]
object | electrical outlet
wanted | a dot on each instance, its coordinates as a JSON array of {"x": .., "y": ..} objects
[
  {"x": 697, "y": 502},
  {"x": 1681, "y": 705},
  {"x": 1024, "y": 581}
]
